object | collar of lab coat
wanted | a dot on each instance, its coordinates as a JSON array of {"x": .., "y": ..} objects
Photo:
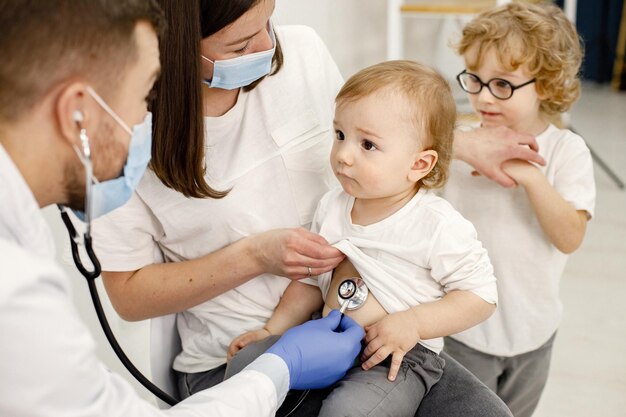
[{"x": 21, "y": 220}]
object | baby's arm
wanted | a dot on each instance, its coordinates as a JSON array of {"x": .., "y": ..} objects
[
  {"x": 398, "y": 333},
  {"x": 563, "y": 225},
  {"x": 295, "y": 307}
]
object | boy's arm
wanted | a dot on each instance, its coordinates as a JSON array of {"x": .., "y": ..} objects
[
  {"x": 563, "y": 225},
  {"x": 295, "y": 307}
]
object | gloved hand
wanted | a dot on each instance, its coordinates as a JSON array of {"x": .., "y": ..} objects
[{"x": 318, "y": 353}]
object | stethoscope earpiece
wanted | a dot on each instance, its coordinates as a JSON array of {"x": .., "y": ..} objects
[{"x": 77, "y": 116}]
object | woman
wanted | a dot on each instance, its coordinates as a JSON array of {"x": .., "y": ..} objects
[{"x": 242, "y": 131}]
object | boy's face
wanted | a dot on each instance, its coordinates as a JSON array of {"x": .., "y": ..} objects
[
  {"x": 376, "y": 146},
  {"x": 520, "y": 112}
]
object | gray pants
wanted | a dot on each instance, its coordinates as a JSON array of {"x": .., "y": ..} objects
[
  {"x": 518, "y": 380},
  {"x": 457, "y": 394},
  {"x": 370, "y": 394}
]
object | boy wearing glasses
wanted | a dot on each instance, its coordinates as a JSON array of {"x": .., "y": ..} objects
[{"x": 522, "y": 62}]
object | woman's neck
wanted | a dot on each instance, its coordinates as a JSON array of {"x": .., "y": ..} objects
[{"x": 217, "y": 102}]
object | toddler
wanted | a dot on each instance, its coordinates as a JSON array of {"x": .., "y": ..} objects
[{"x": 427, "y": 274}]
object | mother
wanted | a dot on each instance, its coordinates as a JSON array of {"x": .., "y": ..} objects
[{"x": 242, "y": 132}]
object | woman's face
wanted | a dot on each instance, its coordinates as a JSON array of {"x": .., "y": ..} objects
[{"x": 246, "y": 35}]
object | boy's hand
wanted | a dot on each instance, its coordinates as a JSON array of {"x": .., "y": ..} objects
[
  {"x": 244, "y": 340},
  {"x": 520, "y": 171},
  {"x": 394, "y": 335}
]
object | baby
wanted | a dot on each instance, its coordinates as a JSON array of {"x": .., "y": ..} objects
[{"x": 427, "y": 274}]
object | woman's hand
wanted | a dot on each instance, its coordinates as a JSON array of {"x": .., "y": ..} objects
[
  {"x": 244, "y": 340},
  {"x": 393, "y": 335},
  {"x": 486, "y": 149},
  {"x": 294, "y": 253},
  {"x": 520, "y": 171}
]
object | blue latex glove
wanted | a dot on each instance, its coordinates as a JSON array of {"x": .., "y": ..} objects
[{"x": 319, "y": 352}]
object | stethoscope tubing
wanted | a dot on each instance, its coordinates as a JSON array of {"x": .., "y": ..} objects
[{"x": 91, "y": 276}]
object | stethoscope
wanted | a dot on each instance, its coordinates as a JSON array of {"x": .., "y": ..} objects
[
  {"x": 352, "y": 294},
  {"x": 93, "y": 290}
]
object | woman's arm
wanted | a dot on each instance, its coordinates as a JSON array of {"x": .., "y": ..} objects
[
  {"x": 160, "y": 289},
  {"x": 486, "y": 149},
  {"x": 563, "y": 225}
]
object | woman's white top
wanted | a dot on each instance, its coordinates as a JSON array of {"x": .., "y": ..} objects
[
  {"x": 527, "y": 264},
  {"x": 272, "y": 149},
  {"x": 48, "y": 362},
  {"x": 415, "y": 256}
]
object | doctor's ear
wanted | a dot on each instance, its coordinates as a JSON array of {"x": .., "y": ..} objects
[
  {"x": 74, "y": 110},
  {"x": 424, "y": 163}
]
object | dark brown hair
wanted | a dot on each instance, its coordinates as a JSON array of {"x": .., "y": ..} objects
[
  {"x": 178, "y": 130},
  {"x": 46, "y": 42},
  {"x": 431, "y": 109}
]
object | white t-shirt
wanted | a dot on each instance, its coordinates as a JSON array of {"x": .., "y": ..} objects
[
  {"x": 42, "y": 335},
  {"x": 415, "y": 256},
  {"x": 527, "y": 265},
  {"x": 272, "y": 149}
]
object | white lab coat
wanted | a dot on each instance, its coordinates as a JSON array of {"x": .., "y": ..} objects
[{"x": 48, "y": 365}]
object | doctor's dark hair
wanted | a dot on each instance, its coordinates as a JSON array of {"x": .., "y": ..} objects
[
  {"x": 178, "y": 124},
  {"x": 46, "y": 43},
  {"x": 430, "y": 106}
]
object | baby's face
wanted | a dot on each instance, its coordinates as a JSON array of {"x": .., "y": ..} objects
[
  {"x": 375, "y": 146},
  {"x": 521, "y": 111}
]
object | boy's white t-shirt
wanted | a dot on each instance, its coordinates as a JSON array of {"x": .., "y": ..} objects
[
  {"x": 415, "y": 256},
  {"x": 527, "y": 265},
  {"x": 272, "y": 149}
]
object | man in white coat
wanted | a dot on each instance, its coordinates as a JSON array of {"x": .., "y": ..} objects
[{"x": 74, "y": 76}]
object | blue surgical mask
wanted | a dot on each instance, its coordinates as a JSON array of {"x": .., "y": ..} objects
[
  {"x": 230, "y": 74},
  {"x": 103, "y": 197}
]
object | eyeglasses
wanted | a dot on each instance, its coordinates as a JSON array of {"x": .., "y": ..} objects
[{"x": 499, "y": 88}]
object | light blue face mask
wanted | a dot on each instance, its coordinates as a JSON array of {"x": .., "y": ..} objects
[
  {"x": 230, "y": 74},
  {"x": 103, "y": 197}
]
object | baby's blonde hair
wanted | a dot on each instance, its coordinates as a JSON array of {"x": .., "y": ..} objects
[
  {"x": 536, "y": 36},
  {"x": 432, "y": 107}
]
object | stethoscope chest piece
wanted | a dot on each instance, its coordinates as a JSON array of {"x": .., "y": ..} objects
[{"x": 352, "y": 294}]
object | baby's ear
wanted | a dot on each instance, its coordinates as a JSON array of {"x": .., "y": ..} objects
[{"x": 424, "y": 163}]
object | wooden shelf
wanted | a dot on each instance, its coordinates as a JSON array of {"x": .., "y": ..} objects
[{"x": 447, "y": 6}]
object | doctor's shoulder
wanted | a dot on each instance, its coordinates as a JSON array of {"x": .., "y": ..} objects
[{"x": 21, "y": 269}]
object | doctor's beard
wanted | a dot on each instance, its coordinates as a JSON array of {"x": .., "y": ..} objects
[{"x": 111, "y": 154}]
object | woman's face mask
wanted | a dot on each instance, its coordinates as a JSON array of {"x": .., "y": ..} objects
[
  {"x": 103, "y": 197},
  {"x": 230, "y": 74}
]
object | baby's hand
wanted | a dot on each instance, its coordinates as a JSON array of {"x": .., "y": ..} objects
[
  {"x": 394, "y": 335},
  {"x": 520, "y": 171},
  {"x": 244, "y": 340}
]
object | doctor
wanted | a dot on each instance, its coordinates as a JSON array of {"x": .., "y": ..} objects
[{"x": 73, "y": 85}]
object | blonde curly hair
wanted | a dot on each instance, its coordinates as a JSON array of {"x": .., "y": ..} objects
[
  {"x": 431, "y": 106},
  {"x": 538, "y": 37}
]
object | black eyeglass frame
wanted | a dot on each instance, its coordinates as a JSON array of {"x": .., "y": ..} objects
[{"x": 486, "y": 84}]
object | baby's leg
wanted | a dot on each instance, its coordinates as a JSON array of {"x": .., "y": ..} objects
[
  {"x": 370, "y": 393},
  {"x": 248, "y": 354},
  {"x": 189, "y": 384}
]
